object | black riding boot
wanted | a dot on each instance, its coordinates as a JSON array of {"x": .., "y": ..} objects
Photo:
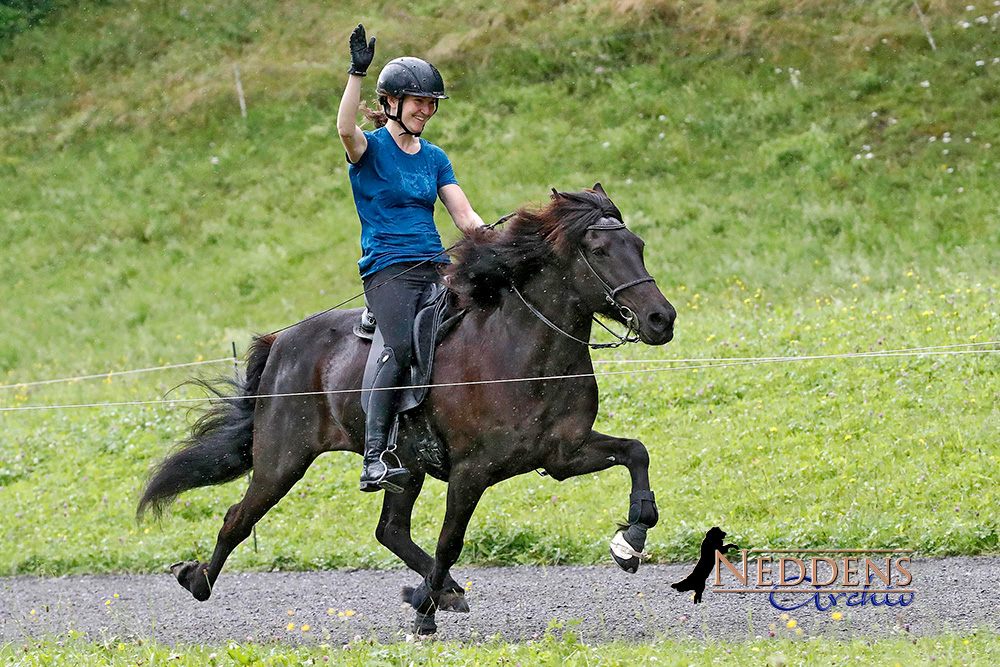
[{"x": 382, "y": 468}]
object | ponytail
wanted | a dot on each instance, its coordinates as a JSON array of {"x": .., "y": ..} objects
[{"x": 376, "y": 116}]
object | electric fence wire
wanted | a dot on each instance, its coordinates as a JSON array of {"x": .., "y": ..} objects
[
  {"x": 114, "y": 374},
  {"x": 694, "y": 367},
  {"x": 109, "y": 374}
]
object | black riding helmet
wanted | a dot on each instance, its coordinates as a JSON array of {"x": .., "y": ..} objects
[{"x": 408, "y": 76}]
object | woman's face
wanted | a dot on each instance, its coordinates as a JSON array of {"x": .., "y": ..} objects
[{"x": 416, "y": 111}]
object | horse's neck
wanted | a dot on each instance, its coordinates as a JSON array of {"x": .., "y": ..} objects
[{"x": 549, "y": 294}]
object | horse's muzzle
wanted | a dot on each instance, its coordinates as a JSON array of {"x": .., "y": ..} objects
[{"x": 657, "y": 327}]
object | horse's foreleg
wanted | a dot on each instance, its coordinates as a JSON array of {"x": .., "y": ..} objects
[
  {"x": 267, "y": 486},
  {"x": 599, "y": 452},
  {"x": 464, "y": 492},
  {"x": 393, "y": 532}
]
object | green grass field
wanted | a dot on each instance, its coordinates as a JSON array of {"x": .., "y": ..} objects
[
  {"x": 811, "y": 179},
  {"x": 556, "y": 648},
  {"x": 824, "y": 185}
]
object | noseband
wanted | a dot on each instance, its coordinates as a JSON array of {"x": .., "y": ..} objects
[{"x": 631, "y": 323}]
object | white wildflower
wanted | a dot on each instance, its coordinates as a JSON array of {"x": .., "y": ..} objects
[
  {"x": 980, "y": 63},
  {"x": 869, "y": 156},
  {"x": 925, "y": 84}
]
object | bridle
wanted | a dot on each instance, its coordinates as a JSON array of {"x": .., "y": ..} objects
[{"x": 631, "y": 322}]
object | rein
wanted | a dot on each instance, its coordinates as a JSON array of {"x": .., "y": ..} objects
[{"x": 631, "y": 326}]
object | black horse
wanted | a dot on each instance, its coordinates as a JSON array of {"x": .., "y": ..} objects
[{"x": 531, "y": 292}]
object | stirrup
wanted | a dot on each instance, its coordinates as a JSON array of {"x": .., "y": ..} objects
[{"x": 389, "y": 479}]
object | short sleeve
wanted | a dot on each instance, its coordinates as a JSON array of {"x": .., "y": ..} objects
[
  {"x": 446, "y": 174},
  {"x": 370, "y": 150}
]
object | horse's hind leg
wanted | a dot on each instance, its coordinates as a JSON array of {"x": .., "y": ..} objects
[
  {"x": 393, "y": 532},
  {"x": 268, "y": 485},
  {"x": 599, "y": 452}
]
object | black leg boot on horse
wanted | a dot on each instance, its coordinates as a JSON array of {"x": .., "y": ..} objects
[{"x": 382, "y": 469}]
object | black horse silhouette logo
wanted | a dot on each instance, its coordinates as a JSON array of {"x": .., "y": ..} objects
[{"x": 706, "y": 563}]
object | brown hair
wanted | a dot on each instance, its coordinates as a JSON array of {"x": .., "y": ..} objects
[
  {"x": 376, "y": 116},
  {"x": 488, "y": 263}
]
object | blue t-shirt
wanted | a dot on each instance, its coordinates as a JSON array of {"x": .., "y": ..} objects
[{"x": 395, "y": 193}]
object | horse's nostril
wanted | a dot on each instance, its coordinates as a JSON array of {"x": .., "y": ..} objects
[{"x": 658, "y": 321}]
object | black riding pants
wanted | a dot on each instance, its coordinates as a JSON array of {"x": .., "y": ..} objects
[{"x": 394, "y": 304}]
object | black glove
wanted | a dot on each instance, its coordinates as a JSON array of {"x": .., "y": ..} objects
[{"x": 361, "y": 53}]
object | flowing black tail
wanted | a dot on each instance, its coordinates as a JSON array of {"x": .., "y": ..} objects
[{"x": 220, "y": 448}]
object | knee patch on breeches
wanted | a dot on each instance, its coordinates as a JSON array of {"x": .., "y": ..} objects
[
  {"x": 401, "y": 354},
  {"x": 387, "y": 365}
]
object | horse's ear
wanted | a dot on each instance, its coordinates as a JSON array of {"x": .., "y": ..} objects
[
  {"x": 599, "y": 189},
  {"x": 556, "y": 194}
]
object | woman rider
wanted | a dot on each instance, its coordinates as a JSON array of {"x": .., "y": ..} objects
[{"x": 396, "y": 178}]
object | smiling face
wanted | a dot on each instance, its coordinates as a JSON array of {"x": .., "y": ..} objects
[{"x": 416, "y": 111}]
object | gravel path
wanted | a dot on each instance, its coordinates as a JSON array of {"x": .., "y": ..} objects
[{"x": 518, "y": 603}]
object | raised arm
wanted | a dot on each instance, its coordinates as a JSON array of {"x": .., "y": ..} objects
[
  {"x": 347, "y": 126},
  {"x": 351, "y": 135},
  {"x": 458, "y": 206}
]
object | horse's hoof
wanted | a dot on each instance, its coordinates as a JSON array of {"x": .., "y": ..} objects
[
  {"x": 193, "y": 576},
  {"x": 421, "y": 599},
  {"x": 453, "y": 601},
  {"x": 624, "y": 555},
  {"x": 424, "y": 625},
  {"x": 449, "y": 600}
]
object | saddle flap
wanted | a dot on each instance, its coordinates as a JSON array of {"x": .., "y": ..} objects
[
  {"x": 434, "y": 320},
  {"x": 425, "y": 326}
]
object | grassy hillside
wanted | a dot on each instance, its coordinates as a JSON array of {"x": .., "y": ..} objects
[{"x": 810, "y": 177}]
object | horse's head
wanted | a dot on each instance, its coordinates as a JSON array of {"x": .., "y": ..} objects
[
  {"x": 581, "y": 233},
  {"x": 608, "y": 268}
]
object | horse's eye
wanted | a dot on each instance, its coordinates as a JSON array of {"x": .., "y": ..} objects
[{"x": 599, "y": 252}]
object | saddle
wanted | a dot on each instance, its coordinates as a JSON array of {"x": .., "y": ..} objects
[{"x": 436, "y": 317}]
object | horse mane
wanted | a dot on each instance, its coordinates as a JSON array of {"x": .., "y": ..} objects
[{"x": 486, "y": 262}]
